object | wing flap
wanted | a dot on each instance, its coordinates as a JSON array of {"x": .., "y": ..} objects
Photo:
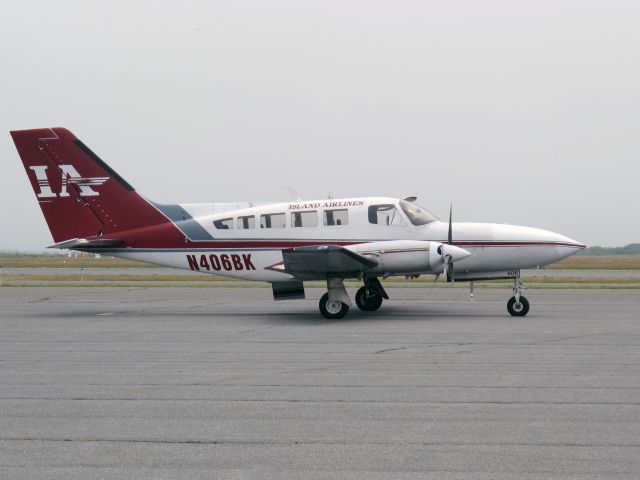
[{"x": 323, "y": 261}]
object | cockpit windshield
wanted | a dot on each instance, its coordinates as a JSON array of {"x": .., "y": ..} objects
[{"x": 417, "y": 215}]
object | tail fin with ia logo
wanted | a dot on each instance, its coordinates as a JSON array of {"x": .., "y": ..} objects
[{"x": 80, "y": 195}]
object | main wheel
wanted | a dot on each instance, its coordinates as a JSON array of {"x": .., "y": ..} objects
[
  {"x": 368, "y": 301},
  {"x": 332, "y": 309},
  {"x": 518, "y": 309}
]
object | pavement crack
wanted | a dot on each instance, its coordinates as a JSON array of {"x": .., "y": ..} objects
[
  {"x": 44, "y": 299},
  {"x": 254, "y": 330},
  {"x": 389, "y": 350}
]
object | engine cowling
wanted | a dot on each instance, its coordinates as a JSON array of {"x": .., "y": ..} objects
[
  {"x": 408, "y": 256},
  {"x": 439, "y": 252}
]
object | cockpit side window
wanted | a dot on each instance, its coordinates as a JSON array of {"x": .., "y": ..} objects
[
  {"x": 417, "y": 215},
  {"x": 386, "y": 214}
]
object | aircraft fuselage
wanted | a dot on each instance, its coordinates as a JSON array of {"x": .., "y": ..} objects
[{"x": 226, "y": 244}]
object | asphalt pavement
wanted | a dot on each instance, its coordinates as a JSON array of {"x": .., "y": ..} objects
[{"x": 226, "y": 383}]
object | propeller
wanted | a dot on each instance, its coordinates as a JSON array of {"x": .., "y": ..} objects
[
  {"x": 448, "y": 253},
  {"x": 447, "y": 259},
  {"x": 450, "y": 232}
]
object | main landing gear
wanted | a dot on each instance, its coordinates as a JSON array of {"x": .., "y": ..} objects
[
  {"x": 332, "y": 309},
  {"x": 518, "y": 306},
  {"x": 335, "y": 303},
  {"x": 368, "y": 300}
]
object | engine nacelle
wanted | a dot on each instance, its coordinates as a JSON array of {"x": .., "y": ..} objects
[
  {"x": 435, "y": 257},
  {"x": 409, "y": 256},
  {"x": 398, "y": 256}
]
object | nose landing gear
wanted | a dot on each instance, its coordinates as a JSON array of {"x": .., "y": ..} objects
[{"x": 518, "y": 306}]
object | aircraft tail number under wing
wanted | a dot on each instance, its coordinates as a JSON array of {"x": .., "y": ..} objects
[{"x": 323, "y": 261}]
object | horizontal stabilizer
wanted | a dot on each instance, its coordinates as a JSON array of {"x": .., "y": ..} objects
[
  {"x": 81, "y": 243},
  {"x": 324, "y": 261}
]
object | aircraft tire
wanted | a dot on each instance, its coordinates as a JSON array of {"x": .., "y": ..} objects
[
  {"x": 331, "y": 310},
  {"x": 518, "y": 309},
  {"x": 368, "y": 304}
]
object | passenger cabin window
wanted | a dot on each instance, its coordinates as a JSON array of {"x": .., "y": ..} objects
[
  {"x": 245, "y": 223},
  {"x": 336, "y": 217},
  {"x": 273, "y": 220},
  {"x": 223, "y": 224},
  {"x": 387, "y": 215},
  {"x": 304, "y": 219}
]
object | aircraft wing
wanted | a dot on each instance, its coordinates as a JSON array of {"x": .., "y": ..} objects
[{"x": 321, "y": 261}]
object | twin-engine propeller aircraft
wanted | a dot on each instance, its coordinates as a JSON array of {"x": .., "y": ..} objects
[{"x": 90, "y": 208}]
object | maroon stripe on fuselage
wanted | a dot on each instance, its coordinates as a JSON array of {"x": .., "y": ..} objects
[
  {"x": 230, "y": 244},
  {"x": 475, "y": 243}
]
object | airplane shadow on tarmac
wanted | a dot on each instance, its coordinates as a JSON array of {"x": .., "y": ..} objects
[
  {"x": 309, "y": 317},
  {"x": 285, "y": 314},
  {"x": 387, "y": 315}
]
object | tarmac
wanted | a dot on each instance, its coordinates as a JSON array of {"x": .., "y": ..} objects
[{"x": 169, "y": 383}]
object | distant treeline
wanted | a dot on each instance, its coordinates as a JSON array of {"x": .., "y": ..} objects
[
  {"x": 631, "y": 249},
  {"x": 16, "y": 254}
]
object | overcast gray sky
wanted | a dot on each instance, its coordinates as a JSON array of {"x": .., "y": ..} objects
[{"x": 517, "y": 112}]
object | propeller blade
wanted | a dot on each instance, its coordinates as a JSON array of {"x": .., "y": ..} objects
[
  {"x": 448, "y": 268},
  {"x": 450, "y": 235},
  {"x": 434, "y": 282}
]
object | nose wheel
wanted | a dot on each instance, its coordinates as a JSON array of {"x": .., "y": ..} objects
[{"x": 518, "y": 306}]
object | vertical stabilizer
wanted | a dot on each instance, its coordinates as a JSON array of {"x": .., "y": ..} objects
[{"x": 79, "y": 194}]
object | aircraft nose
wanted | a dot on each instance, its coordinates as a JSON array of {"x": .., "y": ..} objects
[
  {"x": 564, "y": 246},
  {"x": 556, "y": 246}
]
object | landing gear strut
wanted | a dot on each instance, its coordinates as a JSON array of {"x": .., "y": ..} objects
[{"x": 518, "y": 306}]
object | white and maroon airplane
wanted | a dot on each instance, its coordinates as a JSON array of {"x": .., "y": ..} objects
[{"x": 90, "y": 208}]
